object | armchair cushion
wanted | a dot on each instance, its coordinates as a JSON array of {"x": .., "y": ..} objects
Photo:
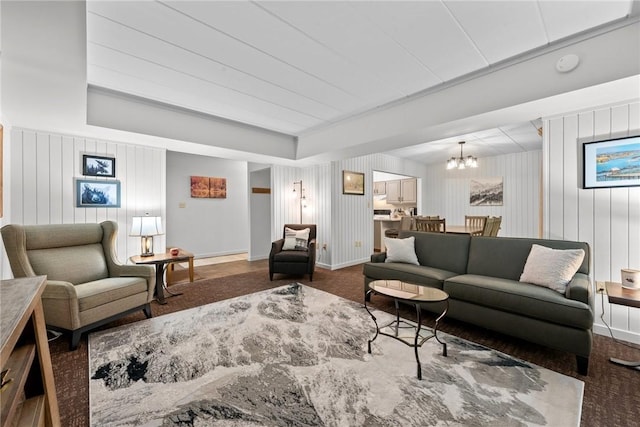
[
  {"x": 75, "y": 264},
  {"x": 103, "y": 291}
]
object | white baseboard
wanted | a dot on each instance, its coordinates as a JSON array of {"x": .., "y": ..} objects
[
  {"x": 258, "y": 257},
  {"x": 348, "y": 264},
  {"x": 216, "y": 254},
  {"x": 618, "y": 334}
]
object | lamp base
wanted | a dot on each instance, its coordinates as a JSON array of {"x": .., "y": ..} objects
[{"x": 147, "y": 246}]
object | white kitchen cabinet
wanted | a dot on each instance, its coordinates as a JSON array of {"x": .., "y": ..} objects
[
  {"x": 402, "y": 191},
  {"x": 409, "y": 190},
  {"x": 379, "y": 187}
]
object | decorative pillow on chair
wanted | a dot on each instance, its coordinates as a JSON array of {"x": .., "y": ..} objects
[
  {"x": 552, "y": 268},
  {"x": 401, "y": 250},
  {"x": 297, "y": 240}
]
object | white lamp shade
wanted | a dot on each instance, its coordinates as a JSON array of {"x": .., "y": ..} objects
[{"x": 146, "y": 226}]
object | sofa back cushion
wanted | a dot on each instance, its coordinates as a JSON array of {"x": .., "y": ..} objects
[
  {"x": 68, "y": 252},
  {"x": 442, "y": 251},
  {"x": 505, "y": 257}
]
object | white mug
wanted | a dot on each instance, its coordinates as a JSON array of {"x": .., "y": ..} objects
[{"x": 630, "y": 278}]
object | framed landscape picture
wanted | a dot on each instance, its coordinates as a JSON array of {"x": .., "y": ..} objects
[
  {"x": 486, "y": 191},
  {"x": 352, "y": 183},
  {"x": 98, "y": 166},
  {"x": 97, "y": 194},
  {"x": 611, "y": 163},
  {"x": 205, "y": 187}
]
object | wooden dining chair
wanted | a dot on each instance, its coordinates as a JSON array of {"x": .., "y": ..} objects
[
  {"x": 488, "y": 226},
  {"x": 431, "y": 225},
  {"x": 475, "y": 221},
  {"x": 496, "y": 226}
]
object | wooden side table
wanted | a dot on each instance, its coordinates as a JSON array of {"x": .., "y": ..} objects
[
  {"x": 630, "y": 298},
  {"x": 170, "y": 269},
  {"x": 161, "y": 261}
]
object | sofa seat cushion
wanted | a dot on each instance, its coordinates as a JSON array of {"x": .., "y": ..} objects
[
  {"x": 520, "y": 298},
  {"x": 291, "y": 256},
  {"x": 416, "y": 274},
  {"x": 104, "y": 291}
]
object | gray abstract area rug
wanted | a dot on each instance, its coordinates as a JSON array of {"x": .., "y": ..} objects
[{"x": 297, "y": 356}]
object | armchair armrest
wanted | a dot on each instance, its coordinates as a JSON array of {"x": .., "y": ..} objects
[
  {"x": 379, "y": 257},
  {"x": 277, "y": 246},
  {"x": 580, "y": 289},
  {"x": 125, "y": 270},
  {"x": 59, "y": 289}
]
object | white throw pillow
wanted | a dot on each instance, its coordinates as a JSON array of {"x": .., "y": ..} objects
[
  {"x": 553, "y": 268},
  {"x": 401, "y": 250},
  {"x": 296, "y": 239}
]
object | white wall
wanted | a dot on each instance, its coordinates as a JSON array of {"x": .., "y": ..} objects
[
  {"x": 207, "y": 227},
  {"x": 607, "y": 219},
  {"x": 42, "y": 187},
  {"x": 447, "y": 192}
]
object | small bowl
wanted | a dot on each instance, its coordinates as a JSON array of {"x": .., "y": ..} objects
[
  {"x": 174, "y": 251},
  {"x": 630, "y": 278}
]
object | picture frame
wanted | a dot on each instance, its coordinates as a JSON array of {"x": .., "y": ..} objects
[
  {"x": 207, "y": 187},
  {"x": 97, "y": 194},
  {"x": 611, "y": 163},
  {"x": 486, "y": 191},
  {"x": 353, "y": 183},
  {"x": 101, "y": 166}
]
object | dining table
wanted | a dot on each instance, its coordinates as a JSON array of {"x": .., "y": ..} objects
[{"x": 464, "y": 229}]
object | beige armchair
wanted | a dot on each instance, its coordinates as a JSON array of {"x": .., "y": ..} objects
[{"x": 86, "y": 284}]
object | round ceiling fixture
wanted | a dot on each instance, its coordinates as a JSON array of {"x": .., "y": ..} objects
[{"x": 567, "y": 63}]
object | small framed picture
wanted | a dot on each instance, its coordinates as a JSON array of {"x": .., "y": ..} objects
[
  {"x": 98, "y": 166},
  {"x": 97, "y": 194},
  {"x": 352, "y": 183}
]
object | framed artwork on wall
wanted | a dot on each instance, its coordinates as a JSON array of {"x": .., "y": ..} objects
[
  {"x": 97, "y": 194},
  {"x": 352, "y": 183},
  {"x": 611, "y": 163},
  {"x": 101, "y": 166},
  {"x": 205, "y": 187},
  {"x": 486, "y": 191}
]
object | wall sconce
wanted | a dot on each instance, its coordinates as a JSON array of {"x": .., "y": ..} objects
[
  {"x": 146, "y": 227},
  {"x": 303, "y": 198}
]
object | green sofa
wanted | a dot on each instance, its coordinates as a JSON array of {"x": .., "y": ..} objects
[{"x": 481, "y": 276}]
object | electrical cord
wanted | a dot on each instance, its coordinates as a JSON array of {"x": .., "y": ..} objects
[{"x": 626, "y": 344}]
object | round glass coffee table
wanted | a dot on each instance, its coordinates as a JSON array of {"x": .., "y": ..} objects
[{"x": 410, "y": 334}]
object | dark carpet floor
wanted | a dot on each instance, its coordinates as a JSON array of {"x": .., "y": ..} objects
[{"x": 611, "y": 397}]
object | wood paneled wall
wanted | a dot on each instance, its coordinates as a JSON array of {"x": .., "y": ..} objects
[
  {"x": 607, "y": 219},
  {"x": 43, "y": 171},
  {"x": 447, "y": 192}
]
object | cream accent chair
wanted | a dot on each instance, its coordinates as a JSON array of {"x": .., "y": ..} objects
[{"x": 86, "y": 284}]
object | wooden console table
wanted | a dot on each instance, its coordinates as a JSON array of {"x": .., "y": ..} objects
[{"x": 28, "y": 396}]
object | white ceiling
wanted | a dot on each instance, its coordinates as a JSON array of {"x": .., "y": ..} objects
[{"x": 296, "y": 67}]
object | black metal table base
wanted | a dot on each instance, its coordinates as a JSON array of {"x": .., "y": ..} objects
[{"x": 399, "y": 324}]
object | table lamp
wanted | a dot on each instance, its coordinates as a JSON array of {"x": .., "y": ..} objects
[{"x": 146, "y": 227}]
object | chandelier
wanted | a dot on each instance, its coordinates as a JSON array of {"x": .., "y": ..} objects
[{"x": 462, "y": 162}]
